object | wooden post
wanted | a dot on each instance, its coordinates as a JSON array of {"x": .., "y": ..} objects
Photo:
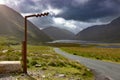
[
  {"x": 24, "y": 49},
  {"x": 24, "y": 43}
]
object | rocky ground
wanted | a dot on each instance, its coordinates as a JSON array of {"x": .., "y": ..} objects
[{"x": 34, "y": 75}]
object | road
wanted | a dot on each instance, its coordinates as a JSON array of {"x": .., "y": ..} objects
[{"x": 102, "y": 70}]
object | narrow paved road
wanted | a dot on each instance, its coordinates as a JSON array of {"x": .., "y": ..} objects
[{"x": 102, "y": 70}]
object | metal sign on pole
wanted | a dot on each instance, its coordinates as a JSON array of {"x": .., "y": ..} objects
[{"x": 24, "y": 43}]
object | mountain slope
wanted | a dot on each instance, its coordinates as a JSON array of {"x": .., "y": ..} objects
[
  {"x": 106, "y": 33},
  {"x": 12, "y": 24},
  {"x": 58, "y": 33}
]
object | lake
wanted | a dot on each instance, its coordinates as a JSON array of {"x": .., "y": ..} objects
[{"x": 104, "y": 45}]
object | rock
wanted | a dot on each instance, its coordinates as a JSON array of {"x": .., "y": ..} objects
[
  {"x": 43, "y": 76},
  {"x": 88, "y": 70},
  {"x": 17, "y": 51},
  {"x": 38, "y": 65},
  {"x": 61, "y": 75},
  {"x": 4, "y": 51},
  {"x": 10, "y": 66},
  {"x": 2, "y": 69}
]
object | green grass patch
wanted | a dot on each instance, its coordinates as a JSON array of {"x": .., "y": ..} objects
[
  {"x": 51, "y": 65},
  {"x": 108, "y": 54}
]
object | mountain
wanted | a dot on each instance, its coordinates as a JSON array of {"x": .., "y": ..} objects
[
  {"x": 105, "y": 33},
  {"x": 12, "y": 25},
  {"x": 58, "y": 33}
]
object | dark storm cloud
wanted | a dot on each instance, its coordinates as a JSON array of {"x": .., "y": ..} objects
[
  {"x": 83, "y": 10},
  {"x": 28, "y": 6},
  {"x": 93, "y": 9},
  {"x": 77, "y": 14}
]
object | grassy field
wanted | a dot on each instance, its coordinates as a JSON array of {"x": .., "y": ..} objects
[
  {"x": 95, "y": 52},
  {"x": 51, "y": 65}
]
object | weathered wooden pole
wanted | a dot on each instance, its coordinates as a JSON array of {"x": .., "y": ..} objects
[{"x": 24, "y": 43}]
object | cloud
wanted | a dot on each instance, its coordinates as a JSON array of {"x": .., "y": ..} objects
[
  {"x": 73, "y": 25},
  {"x": 2, "y": 2},
  {"x": 74, "y": 15},
  {"x": 23, "y": 6},
  {"x": 83, "y": 10},
  {"x": 53, "y": 11},
  {"x": 93, "y": 9},
  {"x": 66, "y": 23}
]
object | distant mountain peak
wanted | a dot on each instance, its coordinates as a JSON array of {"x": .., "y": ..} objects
[
  {"x": 58, "y": 33},
  {"x": 104, "y": 33}
]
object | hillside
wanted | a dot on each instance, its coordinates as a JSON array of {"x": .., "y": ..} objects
[
  {"x": 105, "y": 33},
  {"x": 58, "y": 33},
  {"x": 12, "y": 25}
]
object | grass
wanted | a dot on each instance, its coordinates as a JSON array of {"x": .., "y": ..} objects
[
  {"x": 51, "y": 65},
  {"x": 107, "y": 54}
]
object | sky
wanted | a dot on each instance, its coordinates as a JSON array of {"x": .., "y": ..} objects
[{"x": 73, "y": 15}]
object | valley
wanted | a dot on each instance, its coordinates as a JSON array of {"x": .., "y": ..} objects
[{"x": 57, "y": 53}]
